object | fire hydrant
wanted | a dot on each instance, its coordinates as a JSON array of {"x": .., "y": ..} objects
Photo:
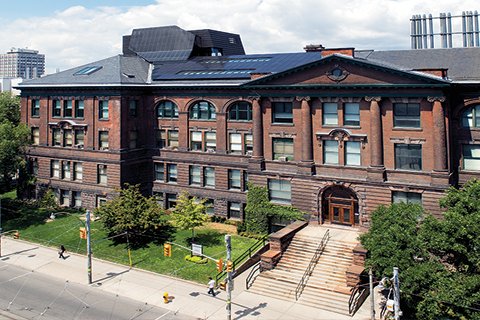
[{"x": 165, "y": 298}]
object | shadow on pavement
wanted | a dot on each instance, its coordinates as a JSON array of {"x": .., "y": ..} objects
[
  {"x": 19, "y": 252},
  {"x": 250, "y": 311},
  {"x": 110, "y": 275}
]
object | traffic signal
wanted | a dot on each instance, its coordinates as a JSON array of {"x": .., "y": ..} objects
[
  {"x": 229, "y": 266},
  {"x": 219, "y": 265},
  {"x": 16, "y": 235},
  {"x": 167, "y": 249},
  {"x": 83, "y": 233}
]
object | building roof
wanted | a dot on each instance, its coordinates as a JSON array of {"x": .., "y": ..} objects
[
  {"x": 171, "y": 56},
  {"x": 462, "y": 64},
  {"x": 116, "y": 70}
]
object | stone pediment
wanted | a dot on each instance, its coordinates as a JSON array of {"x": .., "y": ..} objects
[{"x": 338, "y": 70}]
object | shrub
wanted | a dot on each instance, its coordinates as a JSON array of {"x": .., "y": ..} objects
[{"x": 196, "y": 259}]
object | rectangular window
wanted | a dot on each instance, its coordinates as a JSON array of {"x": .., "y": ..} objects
[
  {"x": 56, "y": 137},
  {"x": 210, "y": 141},
  {"x": 171, "y": 200},
  {"x": 159, "y": 198},
  {"x": 245, "y": 180},
  {"x": 471, "y": 157},
  {"x": 67, "y": 108},
  {"x": 234, "y": 179},
  {"x": 282, "y": 148},
  {"x": 330, "y": 114},
  {"x": 248, "y": 143},
  {"x": 351, "y": 114},
  {"x": 103, "y": 140},
  {"x": 79, "y": 109},
  {"x": 172, "y": 173},
  {"x": 282, "y": 112},
  {"x": 406, "y": 115},
  {"x": 77, "y": 171},
  {"x": 77, "y": 199},
  {"x": 406, "y": 197},
  {"x": 66, "y": 170},
  {"x": 194, "y": 176},
  {"x": 352, "y": 153},
  {"x": 196, "y": 140},
  {"x": 36, "y": 136},
  {"x": 280, "y": 191},
  {"x": 330, "y": 152},
  {"x": 159, "y": 172},
  {"x": 133, "y": 134},
  {"x": 67, "y": 138},
  {"x": 102, "y": 174},
  {"x": 408, "y": 156},
  {"x": 209, "y": 177},
  {"x": 160, "y": 138},
  {"x": 55, "y": 169},
  {"x": 34, "y": 167},
  {"x": 173, "y": 138},
  {"x": 103, "y": 109},
  {"x": 235, "y": 143},
  {"x": 35, "y": 108},
  {"x": 101, "y": 200},
  {"x": 56, "y": 108},
  {"x": 79, "y": 139},
  {"x": 210, "y": 204},
  {"x": 65, "y": 198},
  {"x": 234, "y": 210},
  {"x": 132, "y": 108}
]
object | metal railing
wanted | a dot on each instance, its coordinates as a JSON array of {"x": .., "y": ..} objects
[
  {"x": 252, "y": 275},
  {"x": 303, "y": 282},
  {"x": 358, "y": 296},
  {"x": 248, "y": 253}
]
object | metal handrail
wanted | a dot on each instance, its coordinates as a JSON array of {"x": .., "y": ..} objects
[
  {"x": 250, "y": 276},
  {"x": 359, "y": 293},
  {"x": 252, "y": 249},
  {"x": 303, "y": 282}
]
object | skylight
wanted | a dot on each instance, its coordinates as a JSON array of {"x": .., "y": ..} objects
[
  {"x": 87, "y": 70},
  {"x": 210, "y": 72},
  {"x": 234, "y": 60}
]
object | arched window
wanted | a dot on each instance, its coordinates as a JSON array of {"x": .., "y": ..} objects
[
  {"x": 471, "y": 117},
  {"x": 240, "y": 111},
  {"x": 203, "y": 110},
  {"x": 167, "y": 109}
]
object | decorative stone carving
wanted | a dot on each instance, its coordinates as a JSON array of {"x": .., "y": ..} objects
[
  {"x": 370, "y": 99},
  {"x": 433, "y": 99},
  {"x": 337, "y": 73},
  {"x": 301, "y": 98}
]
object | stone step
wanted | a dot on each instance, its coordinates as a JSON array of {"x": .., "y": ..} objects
[{"x": 323, "y": 281}]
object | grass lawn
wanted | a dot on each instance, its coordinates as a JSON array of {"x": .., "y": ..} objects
[{"x": 65, "y": 230}]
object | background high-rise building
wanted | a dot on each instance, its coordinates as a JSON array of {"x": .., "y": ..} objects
[{"x": 22, "y": 63}]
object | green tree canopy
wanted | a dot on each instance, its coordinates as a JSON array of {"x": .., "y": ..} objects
[
  {"x": 189, "y": 213},
  {"x": 142, "y": 217},
  {"x": 13, "y": 139},
  {"x": 259, "y": 211},
  {"x": 438, "y": 259}
]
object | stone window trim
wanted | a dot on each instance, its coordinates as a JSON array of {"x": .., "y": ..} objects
[
  {"x": 405, "y": 100},
  {"x": 341, "y": 135},
  {"x": 405, "y": 189},
  {"x": 282, "y": 135},
  {"x": 67, "y": 125},
  {"x": 462, "y": 165},
  {"x": 408, "y": 140}
]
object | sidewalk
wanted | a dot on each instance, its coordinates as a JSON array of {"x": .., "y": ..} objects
[{"x": 189, "y": 298}]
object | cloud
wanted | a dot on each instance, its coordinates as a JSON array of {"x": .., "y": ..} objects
[{"x": 80, "y": 35}]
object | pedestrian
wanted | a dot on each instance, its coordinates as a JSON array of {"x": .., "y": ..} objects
[
  {"x": 211, "y": 286},
  {"x": 61, "y": 251}
]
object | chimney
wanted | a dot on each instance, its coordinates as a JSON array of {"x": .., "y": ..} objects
[{"x": 329, "y": 51}]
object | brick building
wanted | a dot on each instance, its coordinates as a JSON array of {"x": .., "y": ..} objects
[{"x": 334, "y": 132}]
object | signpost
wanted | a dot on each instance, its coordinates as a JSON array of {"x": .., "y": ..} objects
[{"x": 197, "y": 249}]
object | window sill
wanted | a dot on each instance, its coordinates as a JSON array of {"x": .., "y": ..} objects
[
  {"x": 279, "y": 124},
  {"x": 203, "y": 120},
  {"x": 406, "y": 129},
  {"x": 102, "y": 119},
  {"x": 32, "y": 116},
  {"x": 163, "y": 118},
  {"x": 239, "y": 121}
]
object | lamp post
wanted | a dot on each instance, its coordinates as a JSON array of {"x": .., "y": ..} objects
[{"x": 86, "y": 224}]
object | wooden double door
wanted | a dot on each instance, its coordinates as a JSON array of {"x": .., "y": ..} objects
[{"x": 341, "y": 210}]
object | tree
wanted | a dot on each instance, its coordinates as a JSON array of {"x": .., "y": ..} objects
[
  {"x": 142, "y": 217},
  {"x": 14, "y": 137},
  {"x": 260, "y": 212},
  {"x": 438, "y": 259},
  {"x": 189, "y": 213}
]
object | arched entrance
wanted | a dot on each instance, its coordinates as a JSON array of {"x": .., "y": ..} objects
[{"x": 340, "y": 206}]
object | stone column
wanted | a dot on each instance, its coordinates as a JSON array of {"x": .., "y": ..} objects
[
  {"x": 257, "y": 129},
  {"x": 376, "y": 135},
  {"x": 307, "y": 146},
  {"x": 439, "y": 134}
]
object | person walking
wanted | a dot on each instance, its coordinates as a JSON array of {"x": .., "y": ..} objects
[
  {"x": 61, "y": 251},
  {"x": 211, "y": 286}
]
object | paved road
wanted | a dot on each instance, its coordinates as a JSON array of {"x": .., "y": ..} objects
[{"x": 33, "y": 295}]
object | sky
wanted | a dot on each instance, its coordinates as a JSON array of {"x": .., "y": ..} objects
[{"x": 71, "y": 33}]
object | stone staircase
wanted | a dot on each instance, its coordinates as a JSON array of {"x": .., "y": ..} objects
[{"x": 326, "y": 287}]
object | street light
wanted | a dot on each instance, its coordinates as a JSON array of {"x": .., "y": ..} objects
[{"x": 86, "y": 224}]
